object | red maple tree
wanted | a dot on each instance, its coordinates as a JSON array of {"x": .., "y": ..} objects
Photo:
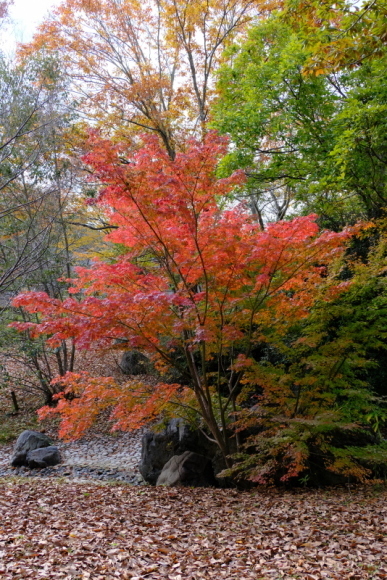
[{"x": 197, "y": 283}]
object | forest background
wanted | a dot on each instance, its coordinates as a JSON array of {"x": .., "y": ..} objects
[{"x": 234, "y": 152}]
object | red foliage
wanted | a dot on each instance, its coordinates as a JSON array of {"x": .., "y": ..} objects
[{"x": 195, "y": 279}]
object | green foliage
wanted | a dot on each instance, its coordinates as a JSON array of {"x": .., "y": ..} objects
[
  {"x": 340, "y": 34},
  {"x": 314, "y": 142},
  {"x": 307, "y": 142},
  {"x": 318, "y": 413}
]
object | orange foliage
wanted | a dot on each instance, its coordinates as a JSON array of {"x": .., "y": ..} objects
[
  {"x": 135, "y": 403},
  {"x": 195, "y": 280},
  {"x": 340, "y": 34},
  {"x": 148, "y": 64}
]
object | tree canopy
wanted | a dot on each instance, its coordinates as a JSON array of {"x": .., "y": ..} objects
[
  {"x": 144, "y": 65},
  {"x": 308, "y": 142}
]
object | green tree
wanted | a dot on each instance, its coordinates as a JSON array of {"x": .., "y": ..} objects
[
  {"x": 321, "y": 403},
  {"x": 340, "y": 34},
  {"x": 307, "y": 142}
]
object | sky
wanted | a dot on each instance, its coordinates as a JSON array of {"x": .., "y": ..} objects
[{"x": 25, "y": 16}]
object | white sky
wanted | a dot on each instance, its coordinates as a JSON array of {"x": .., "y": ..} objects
[{"x": 25, "y": 15}]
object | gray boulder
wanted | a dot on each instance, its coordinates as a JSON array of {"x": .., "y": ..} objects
[
  {"x": 30, "y": 440},
  {"x": 26, "y": 442},
  {"x": 187, "y": 469},
  {"x": 134, "y": 363},
  {"x": 159, "y": 447},
  {"x": 44, "y": 457},
  {"x": 19, "y": 459}
]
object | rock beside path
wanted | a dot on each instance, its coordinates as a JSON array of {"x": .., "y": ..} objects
[
  {"x": 30, "y": 440},
  {"x": 188, "y": 469},
  {"x": 102, "y": 457},
  {"x": 44, "y": 457},
  {"x": 27, "y": 442},
  {"x": 175, "y": 439},
  {"x": 134, "y": 363},
  {"x": 34, "y": 449}
]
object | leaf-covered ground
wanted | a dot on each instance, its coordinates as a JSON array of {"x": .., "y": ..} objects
[{"x": 61, "y": 529}]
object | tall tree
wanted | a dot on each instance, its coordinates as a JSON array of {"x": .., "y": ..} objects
[
  {"x": 41, "y": 237},
  {"x": 307, "y": 142},
  {"x": 343, "y": 34},
  {"x": 144, "y": 65},
  {"x": 32, "y": 110}
]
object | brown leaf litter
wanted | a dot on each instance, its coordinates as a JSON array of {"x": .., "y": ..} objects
[{"x": 52, "y": 529}]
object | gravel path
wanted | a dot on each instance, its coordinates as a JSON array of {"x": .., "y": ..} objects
[{"x": 101, "y": 457}]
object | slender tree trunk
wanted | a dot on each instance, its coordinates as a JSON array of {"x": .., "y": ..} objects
[{"x": 14, "y": 402}]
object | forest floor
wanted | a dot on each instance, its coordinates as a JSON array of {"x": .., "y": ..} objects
[
  {"x": 61, "y": 528},
  {"x": 53, "y": 529}
]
